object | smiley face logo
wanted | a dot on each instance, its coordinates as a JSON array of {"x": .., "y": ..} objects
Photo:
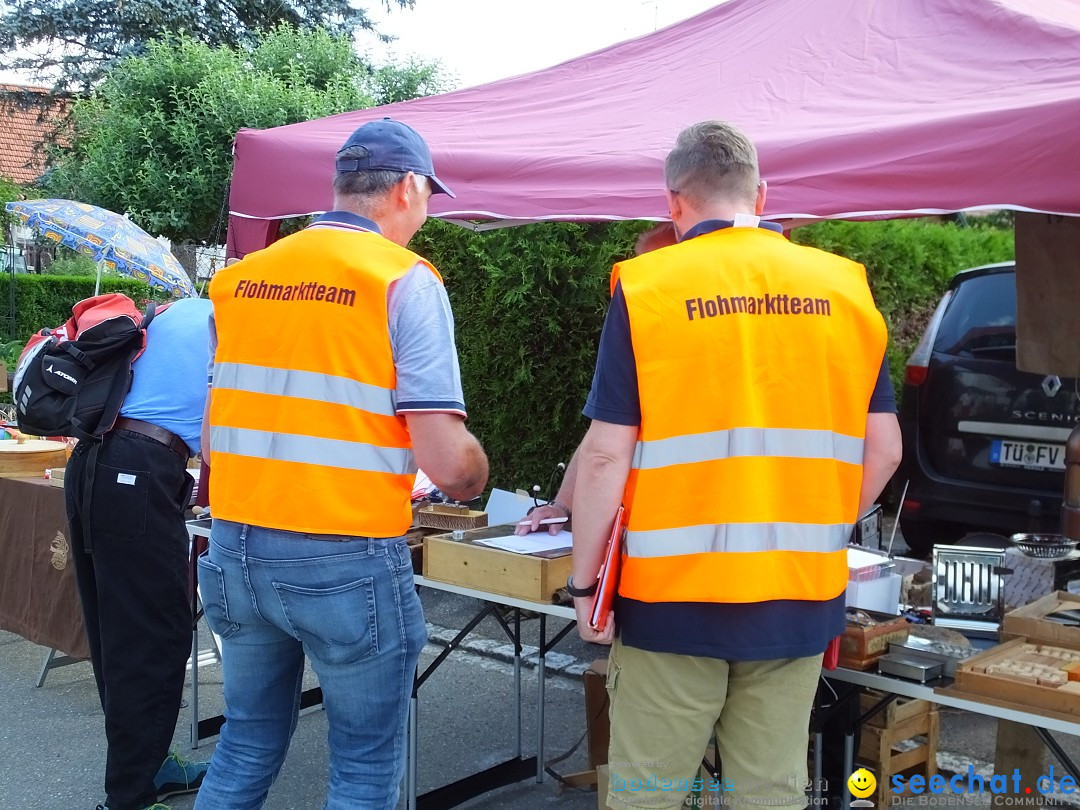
[{"x": 862, "y": 783}]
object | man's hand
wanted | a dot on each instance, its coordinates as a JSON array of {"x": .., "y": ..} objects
[
  {"x": 542, "y": 513},
  {"x": 560, "y": 506},
  {"x": 448, "y": 454},
  {"x": 583, "y": 609}
]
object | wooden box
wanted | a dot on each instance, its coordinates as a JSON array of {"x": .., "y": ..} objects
[
  {"x": 862, "y": 645},
  {"x": 1012, "y": 692},
  {"x": 450, "y": 516},
  {"x": 597, "y": 720},
  {"x": 898, "y": 711},
  {"x": 1028, "y": 621},
  {"x": 901, "y": 737},
  {"x": 463, "y": 562},
  {"x": 30, "y": 458},
  {"x": 415, "y": 539}
]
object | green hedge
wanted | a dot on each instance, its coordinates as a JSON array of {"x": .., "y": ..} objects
[
  {"x": 45, "y": 301},
  {"x": 529, "y": 304}
]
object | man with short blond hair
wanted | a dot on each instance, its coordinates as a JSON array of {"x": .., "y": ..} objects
[{"x": 742, "y": 413}]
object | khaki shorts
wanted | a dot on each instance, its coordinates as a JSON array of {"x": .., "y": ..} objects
[{"x": 665, "y": 708}]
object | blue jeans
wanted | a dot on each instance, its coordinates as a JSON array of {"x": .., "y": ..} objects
[{"x": 350, "y": 607}]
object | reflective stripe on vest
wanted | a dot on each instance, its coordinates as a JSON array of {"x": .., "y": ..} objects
[
  {"x": 300, "y": 449},
  {"x": 721, "y": 444},
  {"x": 745, "y": 480},
  {"x": 287, "y": 382},
  {"x": 738, "y": 537}
]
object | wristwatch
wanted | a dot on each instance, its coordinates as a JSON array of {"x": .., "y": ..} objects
[
  {"x": 560, "y": 505},
  {"x": 575, "y": 591}
]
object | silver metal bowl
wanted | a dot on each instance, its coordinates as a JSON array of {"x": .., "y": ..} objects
[{"x": 1044, "y": 546}]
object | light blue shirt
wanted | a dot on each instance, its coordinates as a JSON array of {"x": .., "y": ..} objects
[{"x": 169, "y": 386}]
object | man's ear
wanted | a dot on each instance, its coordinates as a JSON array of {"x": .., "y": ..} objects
[
  {"x": 404, "y": 191},
  {"x": 674, "y": 204},
  {"x": 759, "y": 203}
]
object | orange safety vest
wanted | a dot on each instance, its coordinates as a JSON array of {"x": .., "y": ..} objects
[
  {"x": 756, "y": 361},
  {"x": 304, "y": 435}
]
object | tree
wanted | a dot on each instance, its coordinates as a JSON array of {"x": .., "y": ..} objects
[
  {"x": 8, "y": 192},
  {"x": 75, "y": 42},
  {"x": 412, "y": 79},
  {"x": 155, "y": 139}
]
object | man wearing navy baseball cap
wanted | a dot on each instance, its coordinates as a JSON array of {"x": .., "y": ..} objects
[
  {"x": 389, "y": 145},
  {"x": 335, "y": 376}
]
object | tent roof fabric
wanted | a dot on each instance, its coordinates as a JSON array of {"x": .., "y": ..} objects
[{"x": 858, "y": 107}]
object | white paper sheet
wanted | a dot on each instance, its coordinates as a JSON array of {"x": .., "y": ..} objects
[{"x": 529, "y": 543}]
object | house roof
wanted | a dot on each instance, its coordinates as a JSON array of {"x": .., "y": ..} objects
[{"x": 28, "y": 118}]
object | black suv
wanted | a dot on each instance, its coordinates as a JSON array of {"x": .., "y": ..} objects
[{"x": 984, "y": 443}]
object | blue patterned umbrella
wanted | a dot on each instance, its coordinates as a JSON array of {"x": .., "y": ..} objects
[{"x": 105, "y": 237}]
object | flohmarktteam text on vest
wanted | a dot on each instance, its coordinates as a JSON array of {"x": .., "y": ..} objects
[
  {"x": 778, "y": 304},
  {"x": 304, "y": 291}
]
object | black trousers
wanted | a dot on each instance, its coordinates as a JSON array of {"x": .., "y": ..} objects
[{"x": 125, "y": 505}]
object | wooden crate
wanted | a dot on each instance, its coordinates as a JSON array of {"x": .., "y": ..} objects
[
  {"x": 861, "y": 646},
  {"x": 897, "y": 711},
  {"x": 463, "y": 562},
  {"x": 972, "y": 679},
  {"x": 448, "y": 517},
  {"x": 885, "y": 747},
  {"x": 415, "y": 539},
  {"x": 1029, "y": 621}
]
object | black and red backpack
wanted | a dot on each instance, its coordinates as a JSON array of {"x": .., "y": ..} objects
[{"x": 72, "y": 380}]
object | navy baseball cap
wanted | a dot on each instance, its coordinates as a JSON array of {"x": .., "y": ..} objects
[{"x": 390, "y": 146}]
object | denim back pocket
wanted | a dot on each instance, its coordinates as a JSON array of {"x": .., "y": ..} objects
[
  {"x": 336, "y": 625},
  {"x": 212, "y": 593}
]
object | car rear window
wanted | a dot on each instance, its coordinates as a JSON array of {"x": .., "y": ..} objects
[{"x": 981, "y": 318}]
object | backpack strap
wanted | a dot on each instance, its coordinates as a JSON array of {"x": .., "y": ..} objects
[
  {"x": 88, "y": 491},
  {"x": 151, "y": 311},
  {"x": 80, "y": 432},
  {"x": 118, "y": 391},
  {"x": 78, "y": 354}
]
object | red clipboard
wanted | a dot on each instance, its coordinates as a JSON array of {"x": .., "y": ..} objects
[
  {"x": 608, "y": 577},
  {"x": 831, "y": 659}
]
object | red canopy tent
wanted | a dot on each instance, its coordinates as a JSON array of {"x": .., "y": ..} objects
[{"x": 858, "y": 108}]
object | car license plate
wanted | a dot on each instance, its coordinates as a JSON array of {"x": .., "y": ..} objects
[{"x": 1029, "y": 455}]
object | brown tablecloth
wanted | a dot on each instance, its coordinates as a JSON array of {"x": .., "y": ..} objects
[{"x": 39, "y": 599}]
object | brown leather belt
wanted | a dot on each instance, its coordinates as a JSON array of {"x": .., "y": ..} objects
[{"x": 158, "y": 434}]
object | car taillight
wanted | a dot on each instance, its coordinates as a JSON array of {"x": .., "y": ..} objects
[
  {"x": 918, "y": 364},
  {"x": 915, "y": 375}
]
